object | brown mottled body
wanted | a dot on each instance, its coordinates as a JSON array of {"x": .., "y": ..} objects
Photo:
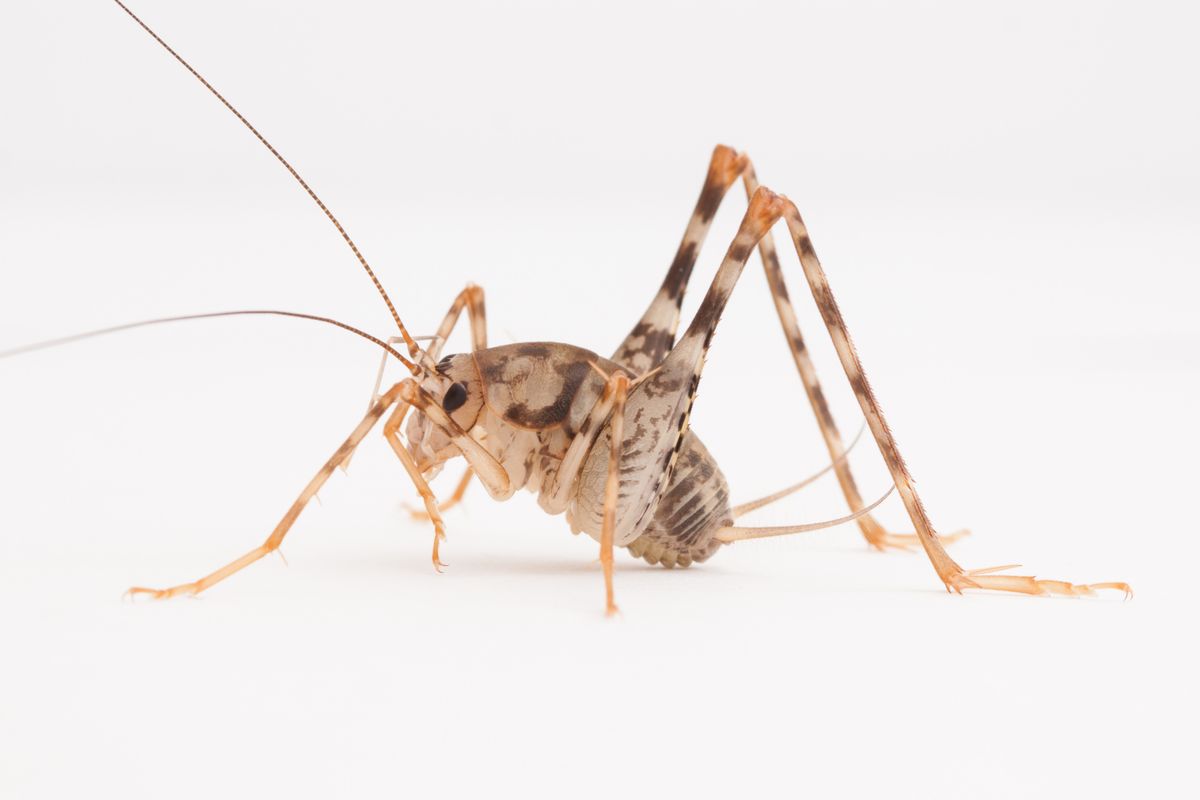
[
  {"x": 607, "y": 442},
  {"x": 537, "y": 398}
]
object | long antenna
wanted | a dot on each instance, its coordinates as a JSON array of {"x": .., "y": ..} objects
[
  {"x": 28, "y": 348},
  {"x": 412, "y": 345}
]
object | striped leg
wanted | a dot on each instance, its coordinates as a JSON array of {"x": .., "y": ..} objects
[
  {"x": 377, "y": 410},
  {"x": 874, "y": 532},
  {"x": 471, "y": 299},
  {"x": 651, "y": 339},
  {"x": 491, "y": 473},
  {"x": 767, "y": 208},
  {"x": 951, "y": 574}
]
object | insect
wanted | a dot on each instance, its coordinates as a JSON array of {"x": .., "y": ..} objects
[{"x": 607, "y": 441}]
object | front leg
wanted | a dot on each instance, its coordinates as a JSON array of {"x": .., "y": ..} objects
[
  {"x": 470, "y": 299},
  {"x": 490, "y": 471},
  {"x": 377, "y": 410}
]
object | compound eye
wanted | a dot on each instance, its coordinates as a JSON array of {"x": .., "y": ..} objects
[{"x": 456, "y": 395}]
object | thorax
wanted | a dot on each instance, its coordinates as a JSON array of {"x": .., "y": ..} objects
[{"x": 537, "y": 398}]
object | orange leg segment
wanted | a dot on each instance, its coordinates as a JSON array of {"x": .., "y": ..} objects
[{"x": 377, "y": 410}]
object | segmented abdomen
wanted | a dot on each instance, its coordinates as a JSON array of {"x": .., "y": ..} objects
[{"x": 689, "y": 513}]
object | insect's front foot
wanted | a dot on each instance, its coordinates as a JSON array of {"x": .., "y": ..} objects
[
  {"x": 439, "y": 536},
  {"x": 163, "y": 594},
  {"x": 1025, "y": 584}
]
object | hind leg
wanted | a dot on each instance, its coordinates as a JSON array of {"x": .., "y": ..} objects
[
  {"x": 651, "y": 339},
  {"x": 952, "y": 575},
  {"x": 872, "y": 530},
  {"x": 688, "y": 357}
]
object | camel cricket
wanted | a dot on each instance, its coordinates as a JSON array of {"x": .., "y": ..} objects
[{"x": 606, "y": 440}]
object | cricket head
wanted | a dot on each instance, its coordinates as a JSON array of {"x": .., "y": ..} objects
[{"x": 455, "y": 386}]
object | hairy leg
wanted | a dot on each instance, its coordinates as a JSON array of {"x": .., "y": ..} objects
[
  {"x": 445, "y": 505},
  {"x": 874, "y": 532},
  {"x": 951, "y": 574},
  {"x": 377, "y": 410},
  {"x": 651, "y": 339},
  {"x": 471, "y": 299},
  {"x": 767, "y": 208},
  {"x": 491, "y": 473}
]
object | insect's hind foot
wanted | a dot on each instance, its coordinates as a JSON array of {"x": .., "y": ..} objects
[
  {"x": 881, "y": 539},
  {"x": 417, "y": 514},
  {"x": 1027, "y": 584},
  {"x": 189, "y": 589}
]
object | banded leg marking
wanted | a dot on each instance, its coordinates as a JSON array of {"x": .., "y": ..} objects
[
  {"x": 377, "y": 410},
  {"x": 951, "y": 574},
  {"x": 470, "y": 298},
  {"x": 767, "y": 208},
  {"x": 652, "y": 338}
]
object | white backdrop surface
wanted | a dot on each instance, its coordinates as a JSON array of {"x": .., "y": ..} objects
[{"x": 1004, "y": 196}]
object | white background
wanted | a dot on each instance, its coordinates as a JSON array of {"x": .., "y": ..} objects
[{"x": 1004, "y": 196}]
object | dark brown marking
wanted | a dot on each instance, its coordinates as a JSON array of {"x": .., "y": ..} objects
[
  {"x": 740, "y": 250},
  {"x": 777, "y": 284},
  {"x": 822, "y": 407},
  {"x": 493, "y": 369},
  {"x": 710, "y": 199},
  {"x": 573, "y": 375},
  {"x": 656, "y": 342},
  {"x": 680, "y": 271},
  {"x": 805, "y": 246}
]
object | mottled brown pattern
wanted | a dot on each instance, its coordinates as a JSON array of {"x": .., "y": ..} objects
[
  {"x": 710, "y": 200},
  {"x": 555, "y": 413},
  {"x": 641, "y": 351},
  {"x": 681, "y": 270},
  {"x": 694, "y": 506},
  {"x": 516, "y": 407},
  {"x": 655, "y": 342}
]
